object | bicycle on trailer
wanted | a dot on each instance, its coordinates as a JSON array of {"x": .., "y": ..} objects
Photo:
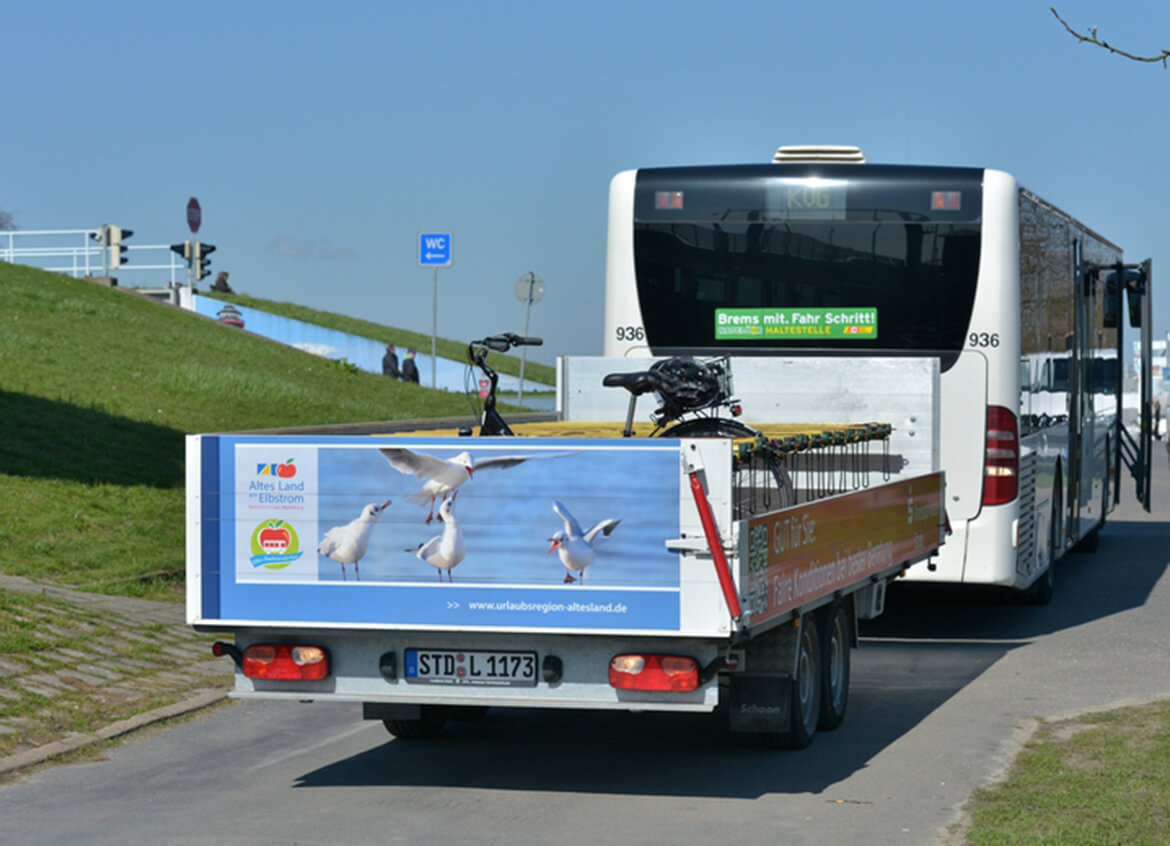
[
  {"x": 691, "y": 394},
  {"x": 490, "y": 421}
]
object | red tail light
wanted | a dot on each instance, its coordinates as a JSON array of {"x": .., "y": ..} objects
[
  {"x": 1001, "y": 467},
  {"x": 653, "y": 672},
  {"x": 285, "y": 662}
]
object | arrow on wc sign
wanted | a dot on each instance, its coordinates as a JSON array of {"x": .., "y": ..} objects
[{"x": 434, "y": 249}]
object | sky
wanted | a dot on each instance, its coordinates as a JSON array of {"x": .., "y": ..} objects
[{"x": 322, "y": 139}]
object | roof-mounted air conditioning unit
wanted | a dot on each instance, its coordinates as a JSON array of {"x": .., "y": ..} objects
[{"x": 819, "y": 153}]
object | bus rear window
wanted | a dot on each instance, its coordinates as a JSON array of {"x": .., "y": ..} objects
[{"x": 880, "y": 286}]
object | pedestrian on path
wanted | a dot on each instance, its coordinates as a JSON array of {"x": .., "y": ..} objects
[
  {"x": 390, "y": 363},
  {"x": 409, "y": 368}
]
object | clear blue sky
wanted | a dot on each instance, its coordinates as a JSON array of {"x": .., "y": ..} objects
[{"x": 321, "y": 138}]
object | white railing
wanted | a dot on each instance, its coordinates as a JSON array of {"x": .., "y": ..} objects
[{"x": 76, "y": 252}]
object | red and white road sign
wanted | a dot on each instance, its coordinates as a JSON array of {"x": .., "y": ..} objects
[{"x": 194, "y": 214}]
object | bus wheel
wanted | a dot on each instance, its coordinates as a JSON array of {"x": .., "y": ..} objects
[
  {"x": 838, "y": 640},
  {"x": 1040, "y": 591},
  {"x": 428, "y": 725},
  {"x": 805, "y": 698}
]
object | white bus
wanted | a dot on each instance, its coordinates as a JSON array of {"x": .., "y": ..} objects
[{"x": 1015, "y": 299}]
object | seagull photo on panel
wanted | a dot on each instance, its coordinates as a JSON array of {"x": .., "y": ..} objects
[
  {"x": 446, "y": 550},
  {"x": 441, "y": 476},
  {"x": 347, "y": 544},
  {"x": 574, "y": 546}
]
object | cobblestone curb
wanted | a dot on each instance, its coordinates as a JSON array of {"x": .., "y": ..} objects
[
  {"x": 40, "y": 754},
  {"x": 84, "y": 668}
]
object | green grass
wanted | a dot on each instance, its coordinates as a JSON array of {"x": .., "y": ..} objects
[
  {"x": 1097, "y": 779},
  {"x": 98, "y": 388},
  {"x": 401, "y": 338}
]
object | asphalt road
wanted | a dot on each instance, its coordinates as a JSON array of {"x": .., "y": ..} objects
[{"x": 944, "y": 689}]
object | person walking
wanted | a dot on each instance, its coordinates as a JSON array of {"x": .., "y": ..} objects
[
  {"x": 390, "y": 363},
  {"x": 409, "y": 368}
]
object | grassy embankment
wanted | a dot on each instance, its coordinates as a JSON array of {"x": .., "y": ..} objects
[
  {"x": 1100, "y": 778},
  {"x": 401, "y": 338},
  {"x": 98, "y": 388}
]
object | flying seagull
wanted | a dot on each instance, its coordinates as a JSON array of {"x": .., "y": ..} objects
[
  {"x": 574, "y": 546},
  {"x": 442, "y": 476}
]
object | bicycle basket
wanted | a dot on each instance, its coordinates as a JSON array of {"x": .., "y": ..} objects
[{"x": 685, "y": 384}]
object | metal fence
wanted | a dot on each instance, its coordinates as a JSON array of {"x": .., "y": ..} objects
[{"x": 76, "y": 252}]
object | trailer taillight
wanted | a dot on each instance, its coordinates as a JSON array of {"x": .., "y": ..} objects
[
  {"x": 653, "y": 672},
  {"x": 285, "y": 662},
  {"x": 1001, "y": 468}
]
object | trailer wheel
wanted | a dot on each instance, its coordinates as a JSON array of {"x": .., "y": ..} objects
[
  {"x": 428, "y": 725},
  {"x": 805, "y": 704},
  {"x": 835, "y": 666}
]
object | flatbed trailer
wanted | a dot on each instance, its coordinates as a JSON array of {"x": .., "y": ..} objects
[{"x": 682, "y": 573}]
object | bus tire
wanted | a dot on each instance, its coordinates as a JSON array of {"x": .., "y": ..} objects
[
  {"x": 1040, "y": 591},
  {"x": 1089, "y": 542},
  {"x": 837, "y": 643},
  {"x": 804, "y": 704}
]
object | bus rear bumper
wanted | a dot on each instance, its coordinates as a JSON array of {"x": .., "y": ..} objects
[{"x": 978, "y": 552}]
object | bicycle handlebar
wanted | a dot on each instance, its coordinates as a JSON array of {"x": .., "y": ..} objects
[{"x": 504, "y": 342}]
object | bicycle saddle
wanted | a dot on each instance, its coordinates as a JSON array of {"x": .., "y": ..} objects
[{"x": 642, "y": 382}]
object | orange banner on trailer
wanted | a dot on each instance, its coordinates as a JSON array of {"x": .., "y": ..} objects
[{"x": 799, "y": 554}]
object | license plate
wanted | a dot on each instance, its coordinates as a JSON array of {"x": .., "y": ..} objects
[{"x": 468, "y": 666}]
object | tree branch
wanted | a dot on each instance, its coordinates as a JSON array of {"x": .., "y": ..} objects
[{"x": 1092, "y": 38}]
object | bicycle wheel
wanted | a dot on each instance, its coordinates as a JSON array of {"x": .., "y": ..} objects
[
  {"x": 762, "y": 459},
  {"x": 710, "y": 427}
]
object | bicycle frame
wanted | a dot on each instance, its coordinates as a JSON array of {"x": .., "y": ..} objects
[{"x": 490, "y": 422}]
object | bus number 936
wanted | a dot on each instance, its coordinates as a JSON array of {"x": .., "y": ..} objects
[
  {"x": 983, "y": 339},
  {"x": 630, "y": 333}
]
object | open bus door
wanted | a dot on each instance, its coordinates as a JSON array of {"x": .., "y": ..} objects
[{"x": 1129, "y": 287}]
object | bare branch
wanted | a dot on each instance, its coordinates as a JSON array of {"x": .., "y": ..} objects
[
  {"x": 6, "y": 221},
  {"x": 1093, "y": 38}
]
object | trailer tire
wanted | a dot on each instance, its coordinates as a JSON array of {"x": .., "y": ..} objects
[
  {"x": 428, "y": 725},
  {"x": 835, "y": 665},
  {"x": 805, "y": 702}
]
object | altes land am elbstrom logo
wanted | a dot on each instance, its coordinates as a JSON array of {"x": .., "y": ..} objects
[{"x": 275, "y": 545}]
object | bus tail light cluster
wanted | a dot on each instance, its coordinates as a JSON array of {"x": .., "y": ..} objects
[
  {"x": 285, "y": 662},
  {"x": 668, "y": 673},
  {"x": 1001, "y": 468}
]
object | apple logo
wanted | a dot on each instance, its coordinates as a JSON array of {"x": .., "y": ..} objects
[
  {"x": 274, "y": 540},
  {"x": 286, "y": 470}
]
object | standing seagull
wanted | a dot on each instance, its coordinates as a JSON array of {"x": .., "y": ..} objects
[
  {"x": 443, "y": 551},
  {"x": 347, "y": 544},
  {"x": 442, "y": 476},
  {"x": 574, "y": 546}
]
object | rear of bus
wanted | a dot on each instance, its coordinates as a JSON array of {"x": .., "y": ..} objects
[{"x": 895, "y": 261}]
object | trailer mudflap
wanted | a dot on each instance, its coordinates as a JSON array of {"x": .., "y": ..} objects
[{"x": 759, "y": 702}]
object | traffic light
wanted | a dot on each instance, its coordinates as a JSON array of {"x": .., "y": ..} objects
[
  {"x": 183, "y": 249},
  {"x": 100, "y": 235},
  {"x": 114, "y": 237},
  {"x": 202, "y": 262}
]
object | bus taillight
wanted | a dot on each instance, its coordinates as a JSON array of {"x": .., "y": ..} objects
[{"x": 1001, "y": 468}]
